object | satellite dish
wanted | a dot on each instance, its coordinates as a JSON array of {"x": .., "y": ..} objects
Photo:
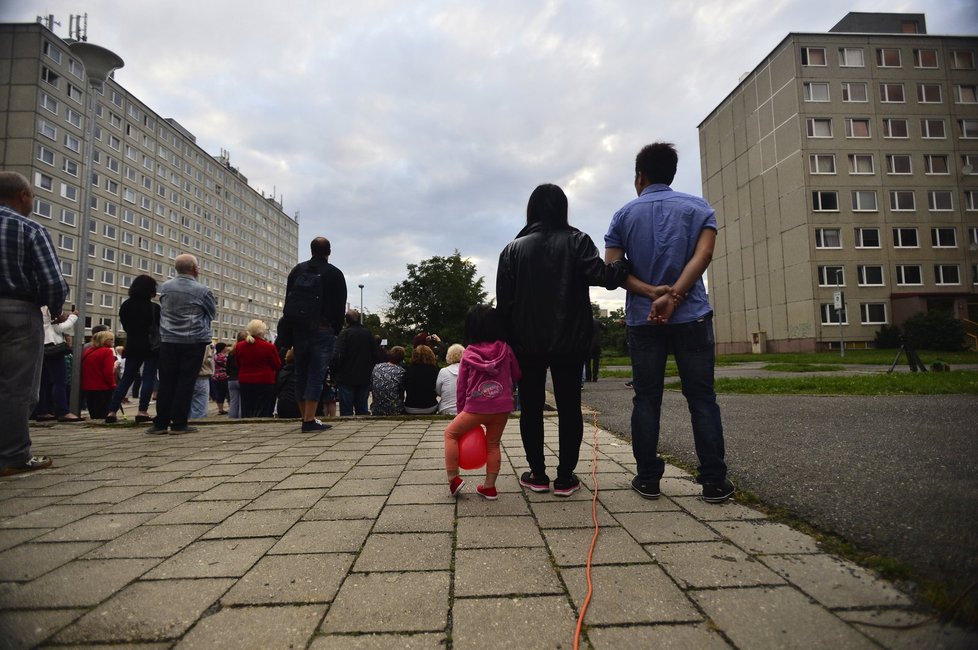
[{"x": 967, "y": 170}]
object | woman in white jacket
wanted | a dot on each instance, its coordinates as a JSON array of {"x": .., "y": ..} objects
[
  {"x": 52, "y": 401},
  {"x": 447, "y": 379}
]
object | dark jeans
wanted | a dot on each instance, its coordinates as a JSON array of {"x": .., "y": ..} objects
[
  {"x": 257, "y": 400},
  {"x": 129, "y": 376},
  {"x": 98, "y": 403},
  {"x": 353, "y": 399},
  {"x": 693, "y": 346},
  {"x": 565, "y": 371},
  {"x": 313, "y": 349},
  {"x": 179, "y": 365},
  {"x": 591, "y": 366},
  {"x": 21, "y": 354},
  {"x": 53, "y": 399}
]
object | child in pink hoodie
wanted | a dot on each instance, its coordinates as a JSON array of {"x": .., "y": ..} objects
[{"x": 484, "y": 392}]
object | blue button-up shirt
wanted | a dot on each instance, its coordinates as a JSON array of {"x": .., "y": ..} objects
[
  {"x": 658, "y": 232},
  {"x": 187, "y": 308},
  {"x": 29, "y": 265}
]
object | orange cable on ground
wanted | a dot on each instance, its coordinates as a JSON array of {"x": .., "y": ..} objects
[{"x": 594, "y": 539}]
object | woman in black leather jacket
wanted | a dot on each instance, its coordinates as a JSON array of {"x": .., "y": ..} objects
[{"x": 542, "y": 293}]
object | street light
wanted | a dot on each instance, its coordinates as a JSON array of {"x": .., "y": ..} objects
[
  {"x": 840, "y": 307},
  {"x": 99, "y": 63},
  {"x": 361, "y": 302}
]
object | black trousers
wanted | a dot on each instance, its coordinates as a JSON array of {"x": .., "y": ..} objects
[
  {"x": 179, "y": 365},
  {"x": 565, "y": 371}
]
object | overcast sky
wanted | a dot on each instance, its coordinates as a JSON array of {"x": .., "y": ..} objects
[{"x": 404, "y": 129}]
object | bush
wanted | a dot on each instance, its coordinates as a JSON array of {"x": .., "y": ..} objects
[
  {"x": 888, "y": 337},
  {"x": 936, "y": 330}
]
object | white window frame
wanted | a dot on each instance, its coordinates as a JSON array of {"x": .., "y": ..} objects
[
  {"x": 850, "y": 122},
  {"x": 821, "y": 198},
  {"x": 884, "y": 53},
  {"x": 888, "y": 124},
  {"x": 968, "y": 128},
  {"x": 812, "y": 122},
  {"x": 862, "y": 275},
  {"x": 847, "y": 87},
  {"x": 855, "y": 159},
  {"x": 848, "y": 57},
  {"x": 892, "y": 92},
  {"x": 966, "y": 94},
  {"x": 918, "y": 58},
  {"x": 860, "y": 237},
  {"x": 903, "y": 161},
  {"x": 927, "y": 125},
  {"x": 925, "y": 89},
  {"x": 822, "y": 163},
  {"x": 864, "y": 201},
  {"x": 944, "y": 237},
  {"x": 829, "y": 275},
  {"x": 962, "y": 59},
  {"x": 865, "y": 315},
  {"x": 898, "y": 237},
  {"x": 816, "y": 91},
  {"x": 897, "y": 205},
  {"x": 830, "y": 316},
  {"x": 941, "y": 271},
  {"x": 822, "y": 235},
  {"x": 901, "y": 275},
  {"x": 940, "y": 200}
]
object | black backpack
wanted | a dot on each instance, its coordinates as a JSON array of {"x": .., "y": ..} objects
[{"x": 303, "y": 303}]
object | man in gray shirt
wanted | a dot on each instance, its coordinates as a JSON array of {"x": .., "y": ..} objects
[{"x": 187, "y": 308}]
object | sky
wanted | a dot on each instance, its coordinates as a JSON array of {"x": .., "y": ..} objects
[{"x": 403, "y": 130}]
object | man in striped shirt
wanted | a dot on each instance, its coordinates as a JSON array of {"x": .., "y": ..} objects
[{"x": 30, "y": 277}]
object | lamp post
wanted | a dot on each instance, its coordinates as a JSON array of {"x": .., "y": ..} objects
[
  {"x": 361, "y": 302},
  {"x": 99, "y": 63},
  {"x": 840, "y": 307}
]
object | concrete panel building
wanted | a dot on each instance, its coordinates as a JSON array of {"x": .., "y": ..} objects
[
  {"x": 154, "y": 192},
  {"x": 845, "y": 162}
]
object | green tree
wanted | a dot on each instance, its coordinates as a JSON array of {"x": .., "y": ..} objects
[{"x": 435, "y": 297}]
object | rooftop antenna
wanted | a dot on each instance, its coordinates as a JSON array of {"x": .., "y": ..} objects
[
  {"x": 48, "y": 21},
  {"x": 78, "y": 27}
]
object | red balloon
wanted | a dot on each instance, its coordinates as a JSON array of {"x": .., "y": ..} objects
[{"x": 472, "y": 449}]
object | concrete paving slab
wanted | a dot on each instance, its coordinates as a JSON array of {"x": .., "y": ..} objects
[
  {"x": 27, "y": 629},
  {"x": 269, "y": 628},
  {"x": 766, "y": 537},
  {"x": 728, "y": 511},
  {"x": 379, "y": 642},
  {"x": 406, "y": 494},
  {"x": 150, "y": 502},
  {"x": 348, "y": 487},
  {"x": 570, "y": 546},
  {"x": 834, "y": 582},
  {"x": 29, "y": 561},
  {"x": 510, "y": 622},
  {"x": 375, "y": 471},
  {"x": 52, "y": 516},
  {"x": 14, "y": 536},
  {"x": 405, "y": 552},
  {"x": 256, "y": 523},
  {"x": 235, "y": 491},
  {"x": 630, "y": 594},
  {"x": 629, "y": 500},
  {"x": 498, "y": 532},
  {"x": 331, "y": 508},
  {"x": 149, "y": 541},
  {"x": 508, "y": 571},
  {"x": 343, "y": 536},
  {"x": 282, "y": 579},
  {"x": 426, "y": 518},
  {"x": 664, "y": 637},
  {"x": 702, "y": 565},
  {"x": 470, "y": 504},
  {"x": 909, "y": 630},
  {"x": 80, "y": 583},
  {"x": 276, "y": 499},
  {"x": 97, "y": 527},
  {"x": 665, "y": 527},
  {"x": 213, "y": 559},
  {"x": 390, "y": 602},
  {"x": 563, "y": 513},
  {"x": 199, "y": 512}
]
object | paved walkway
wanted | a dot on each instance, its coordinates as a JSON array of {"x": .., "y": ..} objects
[{"x": 254, "y": 535}]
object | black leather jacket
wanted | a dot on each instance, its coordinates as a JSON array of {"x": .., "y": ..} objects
[{"x": 542, "y": 289}]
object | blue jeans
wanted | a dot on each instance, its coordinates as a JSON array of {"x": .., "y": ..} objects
[
  {"x": 313, "y": 348},
  {"x": 129, "y": 376},
  {"x": 53, "y": 399},
  {"x": 353, "y": 399},
  {"x": 200, "y": 399},
  {"x": 21, "y": 354},
  {"x": 693, "y": 346}
]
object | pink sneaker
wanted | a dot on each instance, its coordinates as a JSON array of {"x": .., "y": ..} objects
[
  {"x": 487, "y": 492},
  {"x": 456, "y": 485}
]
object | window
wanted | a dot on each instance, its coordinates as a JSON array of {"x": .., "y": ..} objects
[
  {"x": 43, "y": 181},
  {"x": 898, "y": 163},
  {"x": 864, "y": 201},
  {"x": 939, "y": 200},
  {"x": 70, "y": 167},
  {"x": 50, "y": 77},
  {"x": 902, "y": 200},
  {"x": 68, "y": 217},
  {"x": 823, "y": 163},
  {"x": 905, "y": 238},
  {"x": 47, "y": 129},
  {"x": 108, "y": 254},
  {"x": 872, "y": 313},
  {"x": 109, "y": 231},
  {"x": 867, "y": 237},
  {"x": 909, "y": 274},
  {"x": 827, "y": 238},
  {"x": 67, "y": 268},
  {"x": 125, "y": 281},
  {"x": 895, "y": 128},
  {"x": 888, "y": 57},
  {"x": 52, "y": 52},
  {"x": 75, "y": 68},
  {"x": 943, "y": 238},
  {"x": 929, "y": 93},
  {"x": 107, "y": 300},
  {"x": 73, "y": 142},
  {"x": 853, "y": 91},
  {"x": 892, "y": 93},
  {"x": 45, "y": 155},
  {"x": 831, "y": 276},
  {"x": 962, "y": 59},
  {"x": 825, "y": 201},
  {"x": 821, "y": 127},
  {"x": 947, "y": 274},
  {"x": 66, "y": 242},
  {"x": 49, "y": 103},
  {"x": 973, "y": 236},
  {"x": 832, "y": 317},
  {"x": 816, "y": 91},
  {"x": 925, "y": 58},
  {"x": 852, "y": 57},
  {"x": 966, "y": 94},
  {"x": 111, "y": 186},
  {"x": 857, "y": 127},
  {"x": 74, "y": 92},
  {"x": 108, "y": 277},
  {"x": 870, "y": 275},
  {"x": 813, "y": 56},
  {"x": 73, "y": 117},
  {"x": 969, "y": 128},
  {"x": 115, "y": 143},
  {"x": 42, "y": 208},
  {"x": 861, "y": 163},
  {"x": 126, "y": 260},
  {"x": 932, "y": 128},
  {"x": 971, "y": 200}
]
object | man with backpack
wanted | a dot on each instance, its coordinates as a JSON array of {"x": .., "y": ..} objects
[{"x": 315, "y": 302}]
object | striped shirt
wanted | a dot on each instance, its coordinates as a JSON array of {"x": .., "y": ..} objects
[{"x": 29, "y": 265}]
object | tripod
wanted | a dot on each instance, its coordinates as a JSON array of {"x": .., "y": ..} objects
[{"x": 913, "y": 360}]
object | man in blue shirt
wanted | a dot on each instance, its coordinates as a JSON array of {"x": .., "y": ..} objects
[
  {"x": 187, "y": 308},
  {"x": 30, "y": 277},
  {"x": 669, "y": 237}
]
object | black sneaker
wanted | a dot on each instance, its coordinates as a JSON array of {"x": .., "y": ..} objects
[
  {"x": 187, "y": 429},
  {"x": 648, "y": 489},
  {"x": 718, "y": 492},
  {"x": 157, "y": 431},
  {"x": 315, "y": 425},
  {"x": 531, "y": 482},
  {"x": 564, "y": 487}
]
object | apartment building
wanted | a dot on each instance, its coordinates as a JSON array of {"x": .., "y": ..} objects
[
  {"x": 154, "y": 193},
  {"x": 845, "y": 163}
]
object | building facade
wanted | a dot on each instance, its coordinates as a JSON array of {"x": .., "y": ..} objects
[
  {"x": 845, "y": 163},
  {"x": 154, "y": 193}
]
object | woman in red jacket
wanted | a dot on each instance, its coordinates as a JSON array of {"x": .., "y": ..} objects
[
  {"x": 258, "y": 363},
  {"x": 98, "y": 374}
]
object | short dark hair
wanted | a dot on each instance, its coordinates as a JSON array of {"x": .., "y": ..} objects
[
  {"x": 352, "y": 317},
  {"x": 396, "y": 355},
  {"x": 547, "y": 205},
  {"x": 143, "y": 286},
  {"x": 658, "y": 161},
  {"x": 483, "y": 325},
  {"x": 220, "y": 347},
  {"x": 99, "y": 328},
  {"x": 320, "y": 247}
]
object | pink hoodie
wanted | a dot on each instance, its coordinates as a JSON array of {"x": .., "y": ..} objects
[{"x": 486, "y": 376}]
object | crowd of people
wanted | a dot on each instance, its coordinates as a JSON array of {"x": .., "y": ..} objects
[{"x": 657, "y": 248}]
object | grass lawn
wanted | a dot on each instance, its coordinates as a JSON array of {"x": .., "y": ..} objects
[
  {"x": 904, "y": 383},
  {"x": 869, "y": 357},
  {"x": 802, "y": 367}
]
